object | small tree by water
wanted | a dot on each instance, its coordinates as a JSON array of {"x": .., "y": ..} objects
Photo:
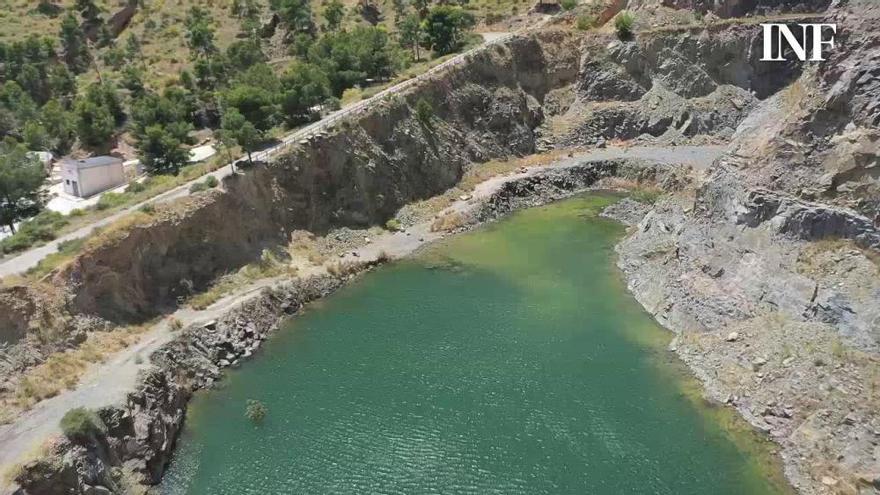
[{"x": 255, "y": 410}]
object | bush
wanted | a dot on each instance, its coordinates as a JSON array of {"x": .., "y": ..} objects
[
  {"x": 81, "y": 424},
  {"x": 255, "y": 411},
  {"x": 41, "y": 228},
  {"x": 393, "y": 225},
  {"x": 624, "y": 25},
  {"x": 112, "y": 200},
  {"x": 585, "y": 22},
  {"x": 568, "y": 4},
  {"x": 209, "y": 183},
  {"x": 424, "y": 112},
  {"x": 135, "y": 187}
]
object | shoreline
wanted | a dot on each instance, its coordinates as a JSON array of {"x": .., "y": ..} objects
[{"x": 194, "y": 359}]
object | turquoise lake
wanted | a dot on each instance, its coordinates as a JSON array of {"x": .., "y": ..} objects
[{"x": 510, "y": 360}]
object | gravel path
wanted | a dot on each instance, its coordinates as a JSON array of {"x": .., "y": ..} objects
[{"x": 109, "y": 382}]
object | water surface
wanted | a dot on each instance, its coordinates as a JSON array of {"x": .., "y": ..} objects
[{"x": 510, "y": 360}]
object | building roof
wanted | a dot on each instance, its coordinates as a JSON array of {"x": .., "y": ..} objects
[{"x": 95, "y": 161}]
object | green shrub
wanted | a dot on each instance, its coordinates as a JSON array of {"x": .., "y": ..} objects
[
  {"x": 568, "y": 4},
  {"x": 393, "y": 225},
  {"x": 585, "y": 22},
  {"x": 80, "y": 424},
  {"x": 424, "y": 112},
  {"x": 41, "y": 228},
  {"x": 135, "y": 187},
  {"x": 148, "y": 208},
  {"x": 209, "y": 182},
  {"x": 78, "y": 212},
  {"x": 255, "y": 410},
  {"x": 112, "y": 200},
  {"x": 197, "y": 187},
  {"x": 646, "y": 195},
  {"x": 624, "y": 25}
]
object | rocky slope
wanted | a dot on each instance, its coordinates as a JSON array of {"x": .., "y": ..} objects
[{"x": 767, "y": 268}]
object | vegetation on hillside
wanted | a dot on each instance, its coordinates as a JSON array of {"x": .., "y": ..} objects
[{"x": 87, "y": 83}]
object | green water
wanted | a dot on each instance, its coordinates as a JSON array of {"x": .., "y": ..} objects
[{"x": 508, "y": 361}]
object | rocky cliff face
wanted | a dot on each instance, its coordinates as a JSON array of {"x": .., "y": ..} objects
[
  {"x": 768, "y": 270},
  {"x": 356, "y": 175},
  {"x": 670, "y": 87},
  {"x": 739, "y": 8}
]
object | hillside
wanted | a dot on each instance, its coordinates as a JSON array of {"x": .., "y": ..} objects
[{"x": 160, "y": 24}]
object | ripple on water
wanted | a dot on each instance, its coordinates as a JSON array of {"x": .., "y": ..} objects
[{"x": 509, "y": 361}]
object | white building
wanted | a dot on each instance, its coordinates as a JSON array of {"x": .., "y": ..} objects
[{"x": 84, "y": 178}]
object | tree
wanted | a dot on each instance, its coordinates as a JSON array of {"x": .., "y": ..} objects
[
  {"x": 132, "y": 79},
  {"x": 35, "y": 136},
  {"x": 161, "y": 149},
  {"x": 243, "y": 54},
  {"x": 21, "y": 182},
  {"x": 60, "y": 125},
  {"x": 351, "y": 57},
  {"x": 18, "y": 102},
  {"x": 95, "y": 124},
  {"x": 88, "y": 10},
  {"x": 333, "y": 13},
  {"x": 445, "y": 26},
  {"x": 256, "y": 104},
  {"x": 425, "y": 113},
  {"x": 410, "y": 32},
  {"x": 200, "y": 33},
  {"x": 132, "y": 47},
  {"x": 62, "y": 83},
  {"x": 400, "y": 7},
  {"x": 303, "y": 86},
  {"x": 297, "y": 14},
  {"x": 238, "y": 130},
  {"x": 98, "y": 113},
  {"x": 171, "y": 111},
  {"x": 73, "y": 43}
]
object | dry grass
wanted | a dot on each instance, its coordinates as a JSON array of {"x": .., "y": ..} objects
[
  {"x": 269, "y": 266},
  {"x": 448, "y": 222},
  {"x": 118, "y": 230},
  {"x": 63, "y": 370},
  {"x": 41, "y": 451},
  {"x": 343, "y": 268},
  {"x": 645, "y": 192}
]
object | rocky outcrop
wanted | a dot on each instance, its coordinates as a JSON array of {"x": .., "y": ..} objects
[{"x": 670, "y": 86}]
